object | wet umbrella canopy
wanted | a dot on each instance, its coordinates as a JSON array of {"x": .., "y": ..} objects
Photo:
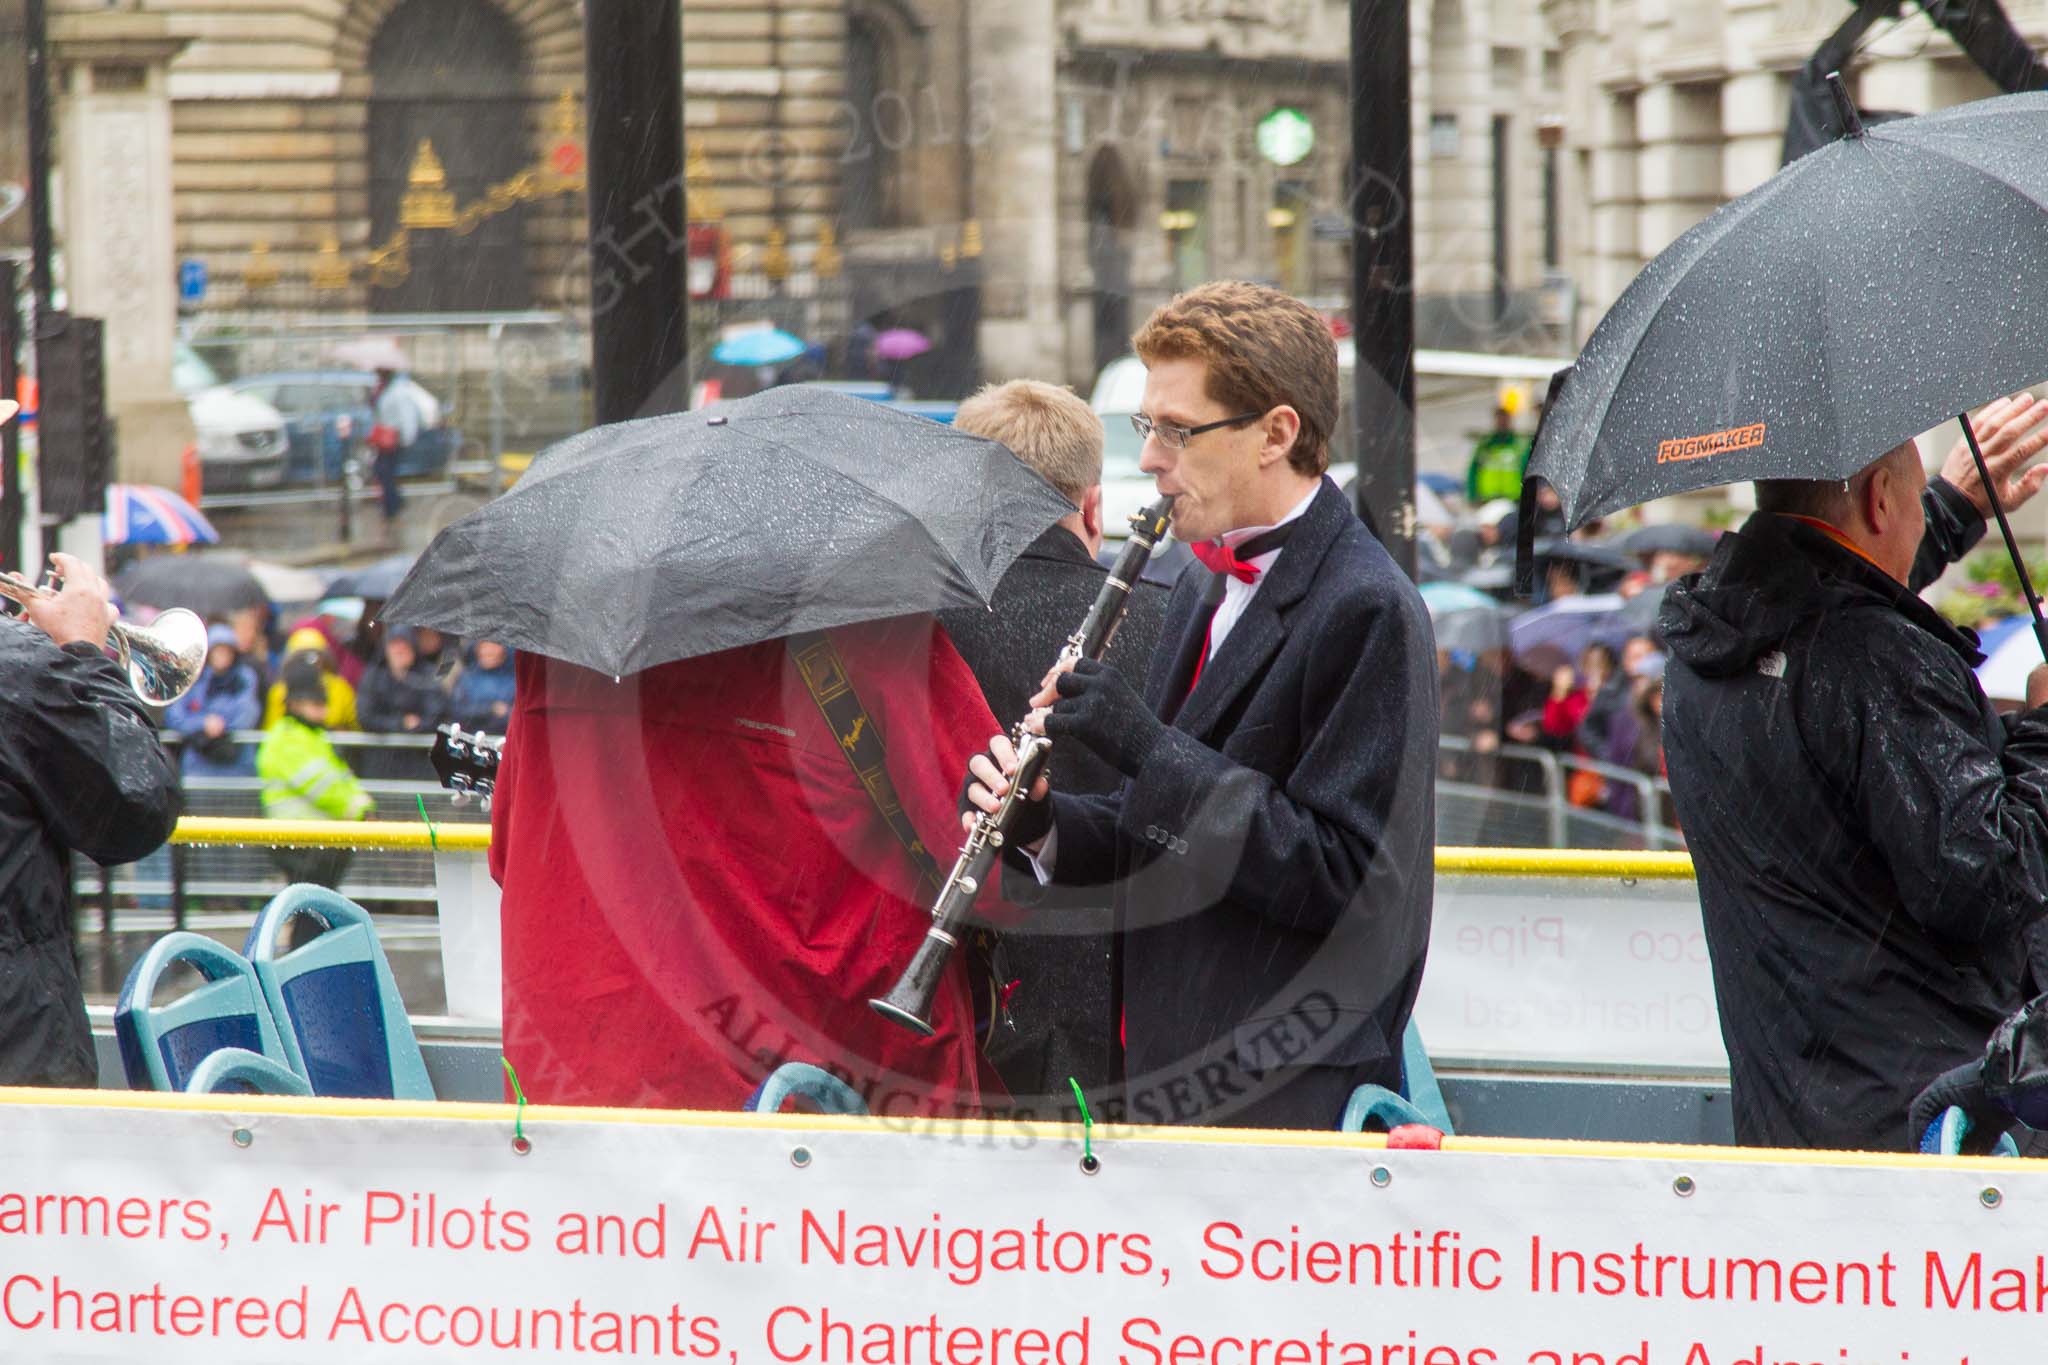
[
  {"x": 799, "y": 509},
  {"x": 1865, "y": 293}
]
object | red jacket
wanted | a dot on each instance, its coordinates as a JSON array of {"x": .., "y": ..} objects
[{"x": 698, "y": 888}]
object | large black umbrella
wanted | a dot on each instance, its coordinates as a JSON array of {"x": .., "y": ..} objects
[
  {"x": 1868, "y": 291},
  {"x": 212, "y": 585},
  {"x": 798, "y": 509},
  {"x": 1863, "y": 294}
]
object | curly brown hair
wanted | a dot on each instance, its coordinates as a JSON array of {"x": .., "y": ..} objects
[{"x": 1263, "y": 349}]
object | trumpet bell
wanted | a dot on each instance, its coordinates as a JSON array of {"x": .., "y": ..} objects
[{"x": 163, "y": 658}]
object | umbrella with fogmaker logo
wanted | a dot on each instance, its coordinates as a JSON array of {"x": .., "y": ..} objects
[{"x": 1864, "y": 294}]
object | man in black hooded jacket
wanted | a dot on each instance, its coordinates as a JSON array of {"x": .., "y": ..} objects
[
  {"x": 81, "y": 771},
  {"x": 1871, "y": 837}
]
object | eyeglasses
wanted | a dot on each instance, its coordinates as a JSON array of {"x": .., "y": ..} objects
[{"x": 1175, "y": 438}]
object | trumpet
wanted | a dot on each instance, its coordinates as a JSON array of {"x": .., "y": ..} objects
[
  {"x": 163, "y": 660},
  {"x": 910, "y": 1003}
]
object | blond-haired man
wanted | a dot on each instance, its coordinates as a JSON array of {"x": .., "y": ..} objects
[
  {"x": 1064, "y": 958},
  {"x": 1270, "y": 844}
]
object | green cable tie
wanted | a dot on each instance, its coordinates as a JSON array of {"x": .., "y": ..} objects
[
  {"x": 434, "y": 842},
  {"x": 519, "y": 1117},
  {"x": 1087, "y": 1122}
]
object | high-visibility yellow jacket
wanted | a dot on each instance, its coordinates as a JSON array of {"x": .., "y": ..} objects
[
  {"x": 341, "y": 703},
  {"x": 304, "y": 779}
]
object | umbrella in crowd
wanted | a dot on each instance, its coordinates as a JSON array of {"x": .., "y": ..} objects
[
  {"x": 797, "y": 509},
  {"x": 1556, "y": 632},
  {"x": 143, "y": 514},
  {"x": 1473, "y": 630},
  {"x": 758, "y": 346},
  {"x": 1464, "y": 618},
  {"x": 375, "y": 581},
  {"x": 1638, "y": 615},
  {"x": 285, "y": 585},
  {"x": 1865, "y": 293},
  {"x": 1443, "y": 598},
  {"x": 1669, "y": 537},
  {"x": 901, "y": 343},
  {"x": 1598, "y": 566},
  {"x": 213, "y": 585},
  {"x": 2011, "y": 653},
  {"x": 8, "y": 407}
]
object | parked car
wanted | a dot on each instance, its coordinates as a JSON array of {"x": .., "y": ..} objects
[
  {"x": 241, "y": 443},
  {"x": 327, "y": 415}
]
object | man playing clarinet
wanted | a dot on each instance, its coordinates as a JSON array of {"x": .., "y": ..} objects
[{"x": 1269, "y": 849}]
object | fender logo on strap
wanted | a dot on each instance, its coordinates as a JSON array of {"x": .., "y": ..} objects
[{"x": 1713, "y": 443}]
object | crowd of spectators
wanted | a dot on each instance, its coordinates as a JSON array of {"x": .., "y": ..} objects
[{"x": 372, "y": 680}]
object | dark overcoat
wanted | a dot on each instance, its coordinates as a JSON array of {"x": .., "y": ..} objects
[{"x": 1271, "y": 861}]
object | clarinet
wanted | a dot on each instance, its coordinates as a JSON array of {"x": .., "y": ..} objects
[{"x": 910, "y": 1003}]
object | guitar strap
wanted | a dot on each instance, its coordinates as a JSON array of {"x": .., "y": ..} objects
[
  {"x": 824, "y": 674},
  {"x": 861, "y": 741}
]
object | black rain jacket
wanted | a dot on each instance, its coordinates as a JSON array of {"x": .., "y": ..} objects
[
  {"x": 1871, "y": 837},
  {"x": 81, "y": 769}
]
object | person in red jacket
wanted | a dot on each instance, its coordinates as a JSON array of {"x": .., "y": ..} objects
[{"x": 698, "y": 887}]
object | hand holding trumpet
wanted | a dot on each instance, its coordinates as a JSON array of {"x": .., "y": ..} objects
[{"x": 81, "y": 611}]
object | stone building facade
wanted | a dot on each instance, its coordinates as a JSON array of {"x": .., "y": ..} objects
[
  {"x": 1671, "y": 109},
  {"x": 1022, "y": 180}
]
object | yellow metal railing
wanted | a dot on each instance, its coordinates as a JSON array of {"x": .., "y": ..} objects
[
  {"x": 377, "y": 834},
  {"x": 476, "y": 837}
]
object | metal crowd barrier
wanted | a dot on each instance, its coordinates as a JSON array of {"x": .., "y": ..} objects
[{"x": 1506, "y": 812}]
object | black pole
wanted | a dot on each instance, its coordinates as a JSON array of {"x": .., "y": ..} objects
[
  {"x": 1845, "y": 108},
  {"x": 1383, "y": 273},
  {"x": 36, "y": 21},
  {"x": 639, "y": 333},
  {"x": 2012, "y": 546},
  {"x": 10, "y": 432}
]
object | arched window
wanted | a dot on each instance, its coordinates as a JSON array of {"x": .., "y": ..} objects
[{"x": 450, "y": 73}]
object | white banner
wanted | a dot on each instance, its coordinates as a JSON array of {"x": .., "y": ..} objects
[
  {"x": 171, "y": 1234},
  {"x": 1569, "y": 970}
]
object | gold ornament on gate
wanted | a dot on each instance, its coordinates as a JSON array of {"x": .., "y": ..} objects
[
  {"x": 261, "y": 271},
  {"x": 827, "y": 261},
  {"x": 329, "y": 270},
  {"x": 775, "y": 257},
  {"x": 703, "y": 200},
  {"x": 970, "y": 240},
  {"x": 427, "y": 202}
]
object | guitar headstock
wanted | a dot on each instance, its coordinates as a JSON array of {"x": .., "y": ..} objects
[{"x": 467, "y": 763}]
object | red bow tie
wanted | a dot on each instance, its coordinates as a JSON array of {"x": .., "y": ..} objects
[{"x": 1220, "y": 558}]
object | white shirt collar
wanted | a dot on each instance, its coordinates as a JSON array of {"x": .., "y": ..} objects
[{"x": 1233, "y": 539}]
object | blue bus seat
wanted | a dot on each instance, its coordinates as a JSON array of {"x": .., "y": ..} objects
[
  {"x": 339, "y": 1015},
  {"x": 821, "y": 1087},
  {"x": 235, "y": 1070},
  {"x": 162, "y": 1045},
  {"x": 1944, "y": 1137},
  {"x": 1421, "y": 1099}
]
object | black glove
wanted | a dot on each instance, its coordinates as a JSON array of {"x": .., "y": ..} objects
[
  {"x": 1030, "y": 820},
  {"x": 1106, "y": 714}
]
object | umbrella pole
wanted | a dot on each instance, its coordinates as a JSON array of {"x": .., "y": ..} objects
[{"x": 2012, "y": 546}]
